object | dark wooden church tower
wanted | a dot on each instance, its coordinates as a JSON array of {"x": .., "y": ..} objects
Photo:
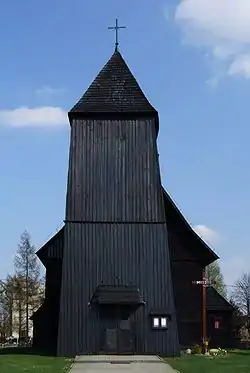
[
  {"x": 116, "y": 268},
  {"x": 119, "y": 273}
]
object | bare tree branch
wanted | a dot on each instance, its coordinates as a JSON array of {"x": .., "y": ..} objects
[{"x": 241, "y": 294}]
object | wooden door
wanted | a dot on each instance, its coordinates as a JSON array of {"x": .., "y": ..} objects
[
  {"x": 125, "y": 337},
  {"x": 119, "y": 339},
  {"x": 111, "y": 341}
]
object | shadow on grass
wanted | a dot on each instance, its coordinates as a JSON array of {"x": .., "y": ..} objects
[{"x": 24, "y": 351}]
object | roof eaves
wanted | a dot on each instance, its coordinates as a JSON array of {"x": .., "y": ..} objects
[
  {"x": 40, "y": 253},
  {"x": 188, "y": 226},
  {"x": 225, "y": 304}
]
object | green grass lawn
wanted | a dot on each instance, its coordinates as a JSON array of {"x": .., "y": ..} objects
[
  {"x": 237, "y": 361},
  {"x": 20, "y": 363}
]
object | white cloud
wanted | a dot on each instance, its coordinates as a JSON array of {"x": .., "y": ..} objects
[
  {"x": 49, "y": 91},
  {"x": 241, "y": 65},
  {"x": 46, "y": 116},
  {"x": 207, "y": 234},
  {"x": 220, "y": 26}
]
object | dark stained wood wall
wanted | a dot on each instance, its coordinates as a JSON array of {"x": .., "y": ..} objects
[
  {"x": 45, "y": 320},
  {"x": 188, "y": 297},
  {"x": 52, "y": 299},
  {"x": 114, "y": 162},
  {"x": 122, "y": 236},
  {"x": 224, "y": 336}
]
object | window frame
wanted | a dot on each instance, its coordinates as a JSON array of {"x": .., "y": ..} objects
[
  {"x": 159, "y": 318},
  {"x": 216, "y": 320}
]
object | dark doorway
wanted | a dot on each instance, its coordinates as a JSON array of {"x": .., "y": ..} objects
[
  {"x": 119, "y": 340},
  {"x": 117, "y": 330},
  {"x": 116, "y": 306}
]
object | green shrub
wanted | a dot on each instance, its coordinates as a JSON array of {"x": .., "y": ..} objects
[{"x": 196, "y": 350}]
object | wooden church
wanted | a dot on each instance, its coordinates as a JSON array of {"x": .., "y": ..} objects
[{"x": 119, "y": 273}]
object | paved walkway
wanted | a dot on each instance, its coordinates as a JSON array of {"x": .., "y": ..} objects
[{"x": 119, "y": 364}]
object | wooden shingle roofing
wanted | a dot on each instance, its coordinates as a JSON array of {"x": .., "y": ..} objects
[{"x": 114, "y": 90}]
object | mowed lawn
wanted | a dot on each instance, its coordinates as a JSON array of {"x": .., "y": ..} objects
[
  {"x": 20, "y": 363},
  {"x": 237, "y": 361}
]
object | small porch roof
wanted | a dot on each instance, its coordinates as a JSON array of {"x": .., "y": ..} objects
[{"x": 117, "y": 295}]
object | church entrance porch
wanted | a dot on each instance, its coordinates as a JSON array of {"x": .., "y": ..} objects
[{"x": 116, "y": 306}]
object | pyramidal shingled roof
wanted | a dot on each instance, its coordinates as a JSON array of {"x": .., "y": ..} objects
[{"x": 114, "y": 90}]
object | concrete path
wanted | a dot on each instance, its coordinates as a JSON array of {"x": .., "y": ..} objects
[{"x": 120, "y": 364}]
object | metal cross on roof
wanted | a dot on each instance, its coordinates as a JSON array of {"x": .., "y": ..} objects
[{"x": 116, "y": 28}]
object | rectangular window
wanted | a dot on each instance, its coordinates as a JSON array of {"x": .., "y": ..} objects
[
  {"x": 160, "y": 322},
  {"x": 217, "y": 324},
  {"x": 156, "y": 322},
  {"x": 163, "y": 322}
]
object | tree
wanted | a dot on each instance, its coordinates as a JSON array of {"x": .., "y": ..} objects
[
  {"x": 213, "y": 273},
  {"x": 7, "y": 306},
  {"x": 241, "y": 293},
  {"x": 13, "y": 304},
  {"x": 19, "y": 303},
  {"x": 28, "y": 271},
  {"x": 237, "y": 312},
  {"x": 4, "y": 314}
]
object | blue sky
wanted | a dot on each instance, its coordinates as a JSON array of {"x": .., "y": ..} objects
[{"x": 194, "y": 69}]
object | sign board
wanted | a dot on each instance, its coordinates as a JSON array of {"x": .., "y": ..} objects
[{"x": 204, "y": 282}]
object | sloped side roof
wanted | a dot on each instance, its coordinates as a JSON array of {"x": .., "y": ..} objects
[
  {"x": 52, "y": 248},
  {"x": 216, "y": 302},
  {"x": 195, "y": 244},
  {"x": 114, "y": 90}
]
